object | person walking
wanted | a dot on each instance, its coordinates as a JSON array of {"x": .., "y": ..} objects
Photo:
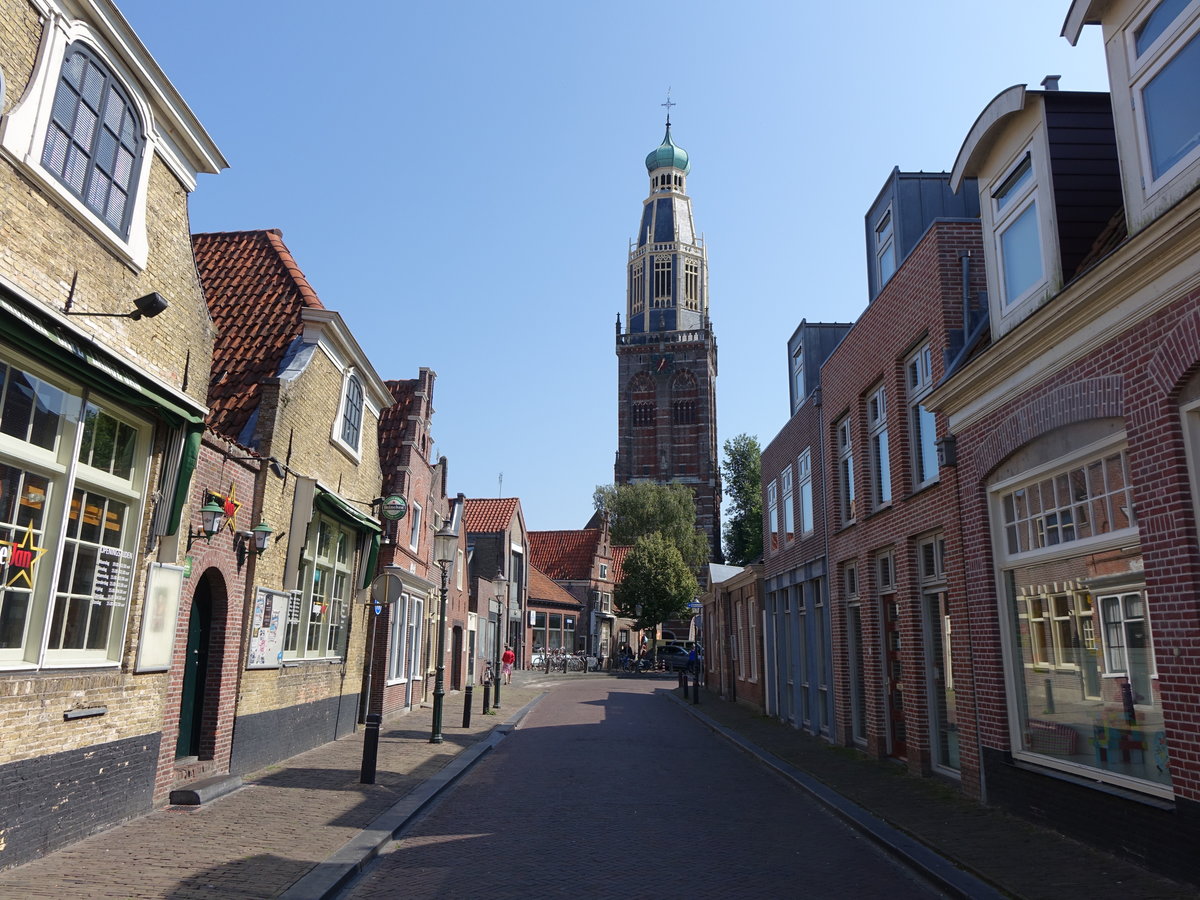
[{"x": 507, "y": 658}]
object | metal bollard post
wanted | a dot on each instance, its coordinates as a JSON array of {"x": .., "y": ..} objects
[
  {"x": 366, "y": 774},
  {"x": 696, "y": 691},
  {"x": 487, "y": 699},
  {"x": 496, "y": 699},
  {"x": 467, "y": 708},
  {"x": 683, "y": 682}
]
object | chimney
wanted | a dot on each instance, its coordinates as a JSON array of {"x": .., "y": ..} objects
[{"x": 1050, "y": 82}]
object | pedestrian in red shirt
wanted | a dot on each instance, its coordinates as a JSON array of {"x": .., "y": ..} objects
[{"x": 507, "y": 658}]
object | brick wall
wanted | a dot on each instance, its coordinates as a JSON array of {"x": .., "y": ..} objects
[{"x": 921, "y": 303}]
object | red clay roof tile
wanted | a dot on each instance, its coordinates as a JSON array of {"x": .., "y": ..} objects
[
  {"x": 565, "y": 555},
  {"x": 255, "y": 292},
  {"x": 541, "y": 587},
  {"x": 482, "y": 516}
]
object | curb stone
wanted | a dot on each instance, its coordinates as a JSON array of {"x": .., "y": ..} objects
[
  {"x": 327, "y": 878},
  {"x": 944, "y": 873}
]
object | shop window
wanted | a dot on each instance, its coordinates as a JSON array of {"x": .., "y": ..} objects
[
  {"x": 72, "y": 470},
  {"x": 317, "y": 625},
  {"x": 1080, "y": 636}
]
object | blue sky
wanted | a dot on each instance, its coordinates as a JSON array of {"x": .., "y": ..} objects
[{"x": 460, "y": 181}]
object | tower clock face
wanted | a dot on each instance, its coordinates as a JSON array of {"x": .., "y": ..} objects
[{"x": 660, "y": 363}]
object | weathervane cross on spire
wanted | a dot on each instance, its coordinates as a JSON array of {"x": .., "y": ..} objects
[{"x": 668, "y": 105}]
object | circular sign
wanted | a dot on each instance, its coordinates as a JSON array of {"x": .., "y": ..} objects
[
  {"x": 394, "y": 507},
  {"x": 385, "y": 590}
]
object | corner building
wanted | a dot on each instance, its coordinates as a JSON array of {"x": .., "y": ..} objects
[{"x": 667, "y": 356}]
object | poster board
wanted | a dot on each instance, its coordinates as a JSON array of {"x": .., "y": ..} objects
[
  {"x": 272, "y": 611},
  {"x": 164, "y": 589}
]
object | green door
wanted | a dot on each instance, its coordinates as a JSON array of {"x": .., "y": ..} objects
[{"x": 195, "y": 674}]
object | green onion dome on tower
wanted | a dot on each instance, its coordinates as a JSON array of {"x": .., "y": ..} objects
[{"x": 668, "y": 155}]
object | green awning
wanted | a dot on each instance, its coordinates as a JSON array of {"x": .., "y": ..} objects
[
  {"x": 333, "y": 505},
  {"x": 183, "y": 482},
  {"x": 89, "y": 363}
]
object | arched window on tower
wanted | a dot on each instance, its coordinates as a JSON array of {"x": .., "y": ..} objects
[
  {"x": 662, "y": 281},
  {"x": 685, "y": 434},
  {"x": 643, "y": 411}
]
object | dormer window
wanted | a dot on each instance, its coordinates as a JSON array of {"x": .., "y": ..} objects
[
  {"x": 1164, "y": 69},
  {"x": 1018, "y": 236},
  {"x": 885, "y": 248},
  {"x": 94, "y": 141}
]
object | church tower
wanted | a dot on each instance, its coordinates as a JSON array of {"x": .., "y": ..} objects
[{"x": 667, "y": 355}]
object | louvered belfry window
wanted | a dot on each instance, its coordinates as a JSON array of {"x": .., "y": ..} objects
[{"x": 94, "y": 141}]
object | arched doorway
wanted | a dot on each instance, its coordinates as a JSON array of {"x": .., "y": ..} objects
[{"x": 195, "y": 672}]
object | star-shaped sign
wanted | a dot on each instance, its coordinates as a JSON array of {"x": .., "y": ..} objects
[
  {"x": 20, "y": 558},
  {"x": 229, "y": 505}
]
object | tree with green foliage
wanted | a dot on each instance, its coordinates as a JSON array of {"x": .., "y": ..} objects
[
  {"x": 644, "y": 508},
  {"x": 742, "y": 469},
  {"x": 657, "y": 584}
]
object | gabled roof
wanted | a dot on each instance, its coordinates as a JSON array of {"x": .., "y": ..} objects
[
  {"x": 393, "y": 424},
  {"x": 619, "y": 554},
  {"x": 483, "y": 516},
  {"x": 255, "y": 293},
  {"x": 543, "y": 589},
  {"x": 565, "y": 555}
]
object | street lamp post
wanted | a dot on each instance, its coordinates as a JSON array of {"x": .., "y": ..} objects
[
  {"x": 500, "y": 584},
  {"x": 444, "y": 543}
]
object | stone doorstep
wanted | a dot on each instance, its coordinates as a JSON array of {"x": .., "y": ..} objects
[{"x": 204, "y": 790}]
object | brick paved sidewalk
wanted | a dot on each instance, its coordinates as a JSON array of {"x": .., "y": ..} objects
[
  {"x": 262, "y": 838},
  {"x": 1018, "y": 857}
]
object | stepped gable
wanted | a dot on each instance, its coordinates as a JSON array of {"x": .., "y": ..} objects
[
  {"x": 393, "y": 424},
  {"x": 255, "y": 293}
]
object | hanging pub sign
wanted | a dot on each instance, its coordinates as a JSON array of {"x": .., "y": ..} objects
[{"x": 394, "y": 507}]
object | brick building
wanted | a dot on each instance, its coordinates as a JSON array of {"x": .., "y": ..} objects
[
  {"x": 731, "y": 634},
  {"x": 498, "y": 571},
  {"x": 581, "y": 562},
  {"x": 291, "y": 383},
  {"x": 1076, "y": 443},
  {"x": 798, "y": 667},
  {"x": 667, "y": 355},
  {"x": 902, "y": 679},
  {"x": 406, "y": 632},
  {"x": 104, "y": 348}
]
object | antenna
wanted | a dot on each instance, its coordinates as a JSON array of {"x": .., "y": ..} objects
[{"x": 500, "y": 490}]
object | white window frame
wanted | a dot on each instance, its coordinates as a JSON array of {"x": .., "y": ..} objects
[
  {"x": 845, "y": 481},
  {"x": 1010, "y": 196},
  {"x": 885, "y": 246},
  {"x": 24, "y": 129},
  {"x": 919, "y": 380},
  {"x": 65, "y": 476},
  {"x": 414, "y": 533},
  {"x": 789, "y": 506},
  {"x": 773, "y": 542},
  {"x": 797, "y": 366},
  {"x": 805, "y": 491},
  {"x": 325, "y": 562},
  {"x": 398, "y": 642},
  {"x": 354, "y": 451},
  {"x": 881, "y": 463},
  {"x": 1143, "y": 69}
]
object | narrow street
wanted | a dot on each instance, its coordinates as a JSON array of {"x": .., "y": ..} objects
[{"x": 608, "y": 790}]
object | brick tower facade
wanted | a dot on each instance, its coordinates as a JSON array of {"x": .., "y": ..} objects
[{"x": 667, "y": 354}]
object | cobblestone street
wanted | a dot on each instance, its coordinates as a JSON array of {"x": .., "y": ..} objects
[{"x": 606, "y": 790}]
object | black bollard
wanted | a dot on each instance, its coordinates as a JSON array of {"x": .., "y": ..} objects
[
  {"x": 366, "y": 774},
  {"x": 683, "y": 682},
  {"x": 487, "y": 698},
  {"x": 496, "y": 699},
  {"x": 696, "y": 691},
  {"x": 467, "y": 708}
]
